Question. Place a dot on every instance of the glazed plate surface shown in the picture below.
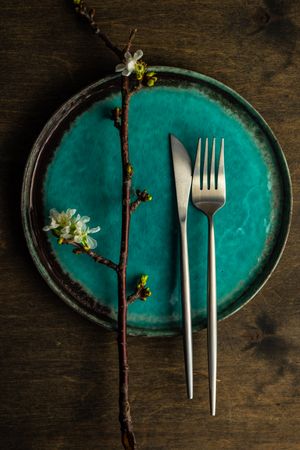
(76, 163)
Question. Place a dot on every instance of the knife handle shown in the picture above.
(186, 311)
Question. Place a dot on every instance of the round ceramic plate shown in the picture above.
(75, 163)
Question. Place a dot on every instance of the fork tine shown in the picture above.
(196, 175)
(205, 172)
(221, 169)
(212, 184)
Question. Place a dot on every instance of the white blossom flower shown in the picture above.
(60, 220)
(82, 231)
(130, 61)
(67, 226)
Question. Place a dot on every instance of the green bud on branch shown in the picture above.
(129, 170)
(142, 197)
(117, 117)
(142, 292)
(151, 79)
(142, 282)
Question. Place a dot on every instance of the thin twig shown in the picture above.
(96, 257)
(137, 87)
(135, 204)
(89, 14)
(140, 294)
(142, 197)
(132, 298)
(127, 435)
(130, 40)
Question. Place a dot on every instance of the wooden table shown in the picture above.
(59, 372)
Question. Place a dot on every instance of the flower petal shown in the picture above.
(94, 230)
(53, 223)
(47, 228)
(126, 72)
(138, 54)
(65, 233)
(53, 213)
(80, 227)
(120, 67)
(127, 56)
(70, 212)
(85, 219)
(92, 243)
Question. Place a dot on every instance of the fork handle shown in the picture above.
(212, 318)
(186, 311)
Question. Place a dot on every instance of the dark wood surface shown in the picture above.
(58, 371)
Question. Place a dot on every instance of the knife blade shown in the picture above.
(183, 179)
(183, 176)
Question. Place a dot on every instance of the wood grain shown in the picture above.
(58, 371)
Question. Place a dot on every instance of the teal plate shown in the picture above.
(76, 163)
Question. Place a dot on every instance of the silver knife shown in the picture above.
(183, 180)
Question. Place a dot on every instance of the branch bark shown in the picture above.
(142, 197)
(96, 257)
(130, 40)
(132, 298)
(128, 438)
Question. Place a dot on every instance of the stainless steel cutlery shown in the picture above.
(208, 195)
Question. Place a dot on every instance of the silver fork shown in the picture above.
(209, 196)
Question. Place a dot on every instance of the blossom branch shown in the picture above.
(72, 229)
(129, 64)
